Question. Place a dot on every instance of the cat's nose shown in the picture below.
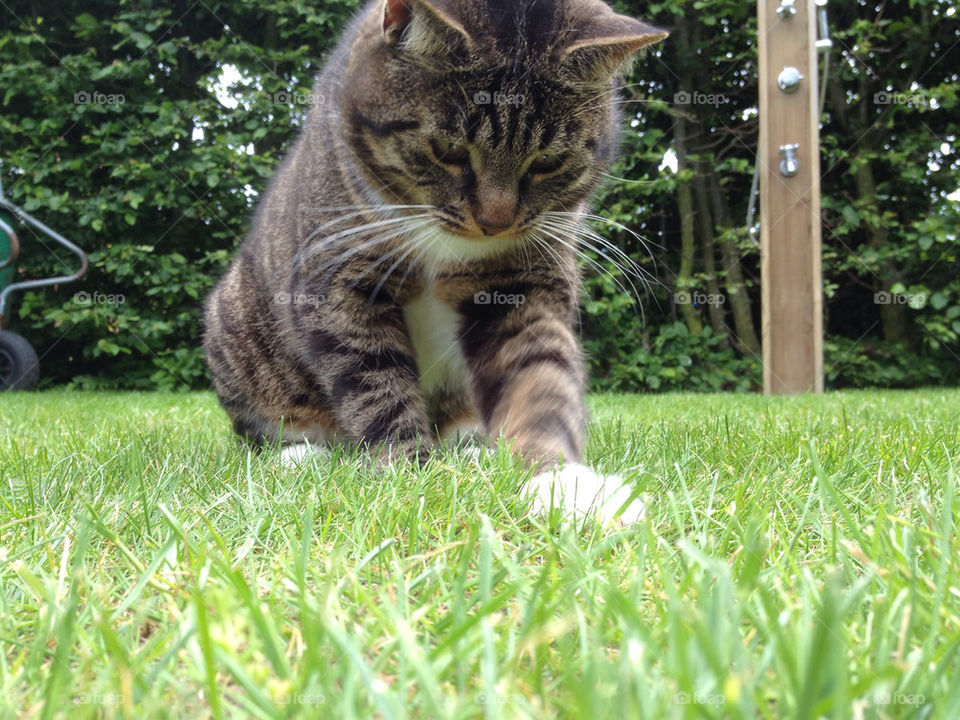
(495, 206)
(494, 225)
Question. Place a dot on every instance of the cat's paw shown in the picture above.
(581, 492)
(475, 453)
(293, 456)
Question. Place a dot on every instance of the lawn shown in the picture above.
(799, 559)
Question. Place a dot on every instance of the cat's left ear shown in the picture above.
(604, 42)
(424, 27)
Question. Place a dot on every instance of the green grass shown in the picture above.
(799, 559)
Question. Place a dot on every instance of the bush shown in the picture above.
(887, 365)
(628, 350)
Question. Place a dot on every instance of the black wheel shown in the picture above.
(19, 367)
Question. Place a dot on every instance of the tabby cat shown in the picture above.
(411, 274)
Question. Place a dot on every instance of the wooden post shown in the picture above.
(790, 206)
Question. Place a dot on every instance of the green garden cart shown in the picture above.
(19, 365)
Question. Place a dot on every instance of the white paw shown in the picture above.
(475, 453)
(579, 491)
(293, 456)
(465, 433)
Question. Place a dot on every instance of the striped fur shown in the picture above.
(399, 284)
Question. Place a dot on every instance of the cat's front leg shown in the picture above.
(528, 381)
(529, 389)
(363, 359)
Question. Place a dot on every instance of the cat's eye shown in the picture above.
(546, 163)
(450, 153)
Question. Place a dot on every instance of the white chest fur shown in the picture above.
(434, 330)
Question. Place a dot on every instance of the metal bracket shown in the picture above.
(790, 165)
(787, 9)
(789, 79)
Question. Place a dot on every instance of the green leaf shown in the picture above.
(851, 216)
(109, 348)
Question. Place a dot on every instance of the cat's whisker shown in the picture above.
(334, 264)
(544, 247)
(582, 231)
(555, 260)
(631, 291)
(427, 249)
(609, 92)
(324, 244)
(628, 180)
(576, 219)
(378, 212)
(349, 216)
(557, 233)
(525, 257)
(644, 100)
(386, 276)
(630, 269)
(587, 234)
(358, 228)
(338, 261)
(607, 221)
(410, 235)
(374, 207)
(402, 247)
(430, 234)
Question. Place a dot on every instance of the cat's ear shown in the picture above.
(603, 43)
(424, 27)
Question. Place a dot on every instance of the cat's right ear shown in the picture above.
(397, 15)
(424, 27)
(601, 43)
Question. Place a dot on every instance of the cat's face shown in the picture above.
(491, 113)
(492, 152)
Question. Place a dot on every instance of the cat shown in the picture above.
(411, 273)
